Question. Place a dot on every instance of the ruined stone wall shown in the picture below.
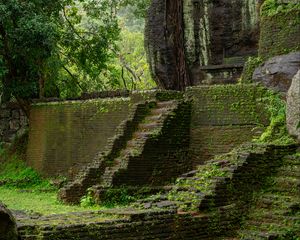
(223, 117)
(221, 74)
(13, 122)
(66, 135)
(280, 34)
(220, 207)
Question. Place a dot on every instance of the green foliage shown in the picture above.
(27, 38)
(272, 7)
(37, 201)
(55, 48)
(119, 196)
(87, 46)
(16, 174)
(67, 47)
(131, 70)
(113, 197)
(276, 132)
(249, 68)
(140, 7)
(87, 200)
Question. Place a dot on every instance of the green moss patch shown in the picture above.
(273, 7)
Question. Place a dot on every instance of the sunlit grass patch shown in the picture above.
(35, 201)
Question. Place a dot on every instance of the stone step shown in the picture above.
(128, 151)
(189, 174)
(148, 126)
(134, 143)
(159, 111)
(257, 235)
(276, 201)
(290, 171)
(152, 118)
(166, 103)
(292, 160)
(141, 135)
(286, 184)
(267, 224)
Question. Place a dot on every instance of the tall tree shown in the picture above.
(44, 43)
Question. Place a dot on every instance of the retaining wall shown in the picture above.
(66, 135)
(224, 117)
(280, 34)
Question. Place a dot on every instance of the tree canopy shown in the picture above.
(61, 48)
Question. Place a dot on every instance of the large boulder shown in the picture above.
(8, 227)
(293, 107)
(277, 73)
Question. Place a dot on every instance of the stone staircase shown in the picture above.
(276, 213)
(127, 160)
(218, 196)
(223, 189)
(135, 164)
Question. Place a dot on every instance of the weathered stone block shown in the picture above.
(277, 73)
(293, 107)
(279, 34)
(8, 228)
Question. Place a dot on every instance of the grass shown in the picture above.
(22, 188)
(45, 203)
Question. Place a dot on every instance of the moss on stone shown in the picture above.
(249, 68)
(280, 33)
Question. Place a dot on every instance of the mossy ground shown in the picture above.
(21, 188)
(44, 203)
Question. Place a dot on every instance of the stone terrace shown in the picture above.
(216, 209)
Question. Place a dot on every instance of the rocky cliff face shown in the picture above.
(211, 33)
(293, 107)
(220, 29)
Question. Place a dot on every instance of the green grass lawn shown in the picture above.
(24, 189)
(36, 201)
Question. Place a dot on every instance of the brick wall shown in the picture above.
(69, 134)
(223, 117)
(280, 34)
(66, 135)
(13, 122)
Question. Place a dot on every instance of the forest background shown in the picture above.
(64, 48)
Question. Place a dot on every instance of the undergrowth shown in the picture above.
(249, 68)
(14, 173)
(276, 132)
(114, 197)
(22, 188)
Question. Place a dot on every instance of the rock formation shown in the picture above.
(293, 107)
(8, 229)
(277, 73)
(211, 33)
